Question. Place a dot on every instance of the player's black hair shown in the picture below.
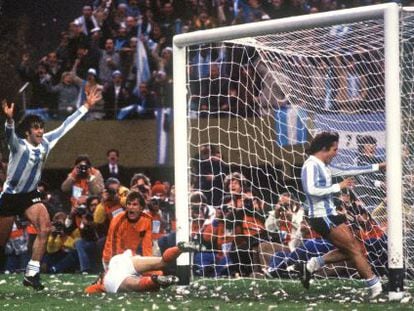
(83, 158)
(28, 122)
(322, 141)
(135, 195)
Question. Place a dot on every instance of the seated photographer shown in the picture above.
(83, 181)
(158, 223)
(61, 255)
(16, 250)
(113, 202)
(167, 205)
(285, 219)
(87, 246)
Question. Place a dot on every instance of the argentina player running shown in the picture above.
(317, 184)
(26, 159)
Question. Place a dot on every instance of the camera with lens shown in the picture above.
(112, 193)
(142, 189)
(81, 210)
(59, 227)
(83, 170)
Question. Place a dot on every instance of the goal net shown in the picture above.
(253, 103)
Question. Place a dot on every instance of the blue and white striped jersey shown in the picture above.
(317, 184)
(26, 161)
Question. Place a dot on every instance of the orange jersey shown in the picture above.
(31, 229)
(252, 226)
(123, 235)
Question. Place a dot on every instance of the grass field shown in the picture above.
(65, 292)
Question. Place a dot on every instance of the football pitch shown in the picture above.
(65, 292)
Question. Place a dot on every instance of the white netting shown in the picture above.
(253, 105)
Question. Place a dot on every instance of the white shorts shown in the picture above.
(120, 267)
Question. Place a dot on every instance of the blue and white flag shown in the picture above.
(162, 116)
(143, 71)
(290, 126)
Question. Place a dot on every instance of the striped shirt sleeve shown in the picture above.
(311, 185)
(11, 137)
(352, 171)
(53, 136)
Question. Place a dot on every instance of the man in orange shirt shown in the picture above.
(131, 229)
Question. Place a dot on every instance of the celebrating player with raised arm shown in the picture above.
(26, 159)
(323, 218)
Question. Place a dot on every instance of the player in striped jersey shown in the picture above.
(26, 159)
(317, 184)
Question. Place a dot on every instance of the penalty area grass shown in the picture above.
(65, 292)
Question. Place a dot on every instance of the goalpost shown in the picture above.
(258, 92)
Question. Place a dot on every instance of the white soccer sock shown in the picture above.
(315, 263)
(33, 267)
(374, 284)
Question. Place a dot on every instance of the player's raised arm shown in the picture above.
(92, 97)
(8, 110)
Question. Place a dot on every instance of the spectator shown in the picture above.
(370, 187)
(214, 93)
(352, 85)
(113, 169)
(166, 20)
(41, 97)
(77, 39)
(133, 9)
(115, 95)
(87, 21)
(97, 113)
(203, 21)
(120, 15)
(85, 58)
(208, 173)
(54, 68)
(128, 58)
(62, 51)
(67, 92)
(109, 61)
(121, 39)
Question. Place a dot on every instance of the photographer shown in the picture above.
(83, 181)
(141, 183)
(61, 255)
(158, 223)
(87, 245)
(286, 219)
(112, 203)
(166, 205)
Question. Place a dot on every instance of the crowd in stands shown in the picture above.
(125, 47)
(241, 231)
